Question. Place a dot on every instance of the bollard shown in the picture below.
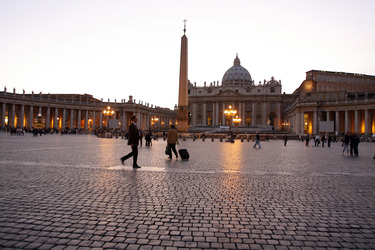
(241, 139)
(184, 138)
(212, 139)
(203, 139)
(116, 136)
(221, 139)
(193, 138)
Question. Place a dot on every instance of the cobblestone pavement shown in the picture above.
(71, 192)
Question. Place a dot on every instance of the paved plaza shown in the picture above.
(71, 192)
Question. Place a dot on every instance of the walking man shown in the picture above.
(133, 142)
(257, 141)
(172, 139)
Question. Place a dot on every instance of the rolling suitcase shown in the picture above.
(183, 153)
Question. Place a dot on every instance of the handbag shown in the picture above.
(168, 150)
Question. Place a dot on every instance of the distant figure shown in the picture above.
(285, 140)
(140, 137)
(329, 140)
(323, 140)
(354, 144)
(148, 138)
(317, 140)
(172, 140)
(133, 142)
(307, 140)
(346, 142)
(257, 141)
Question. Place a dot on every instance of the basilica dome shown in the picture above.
(237, 75)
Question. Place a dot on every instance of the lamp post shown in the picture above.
(108, 112)
(236, 121)
(229, 113)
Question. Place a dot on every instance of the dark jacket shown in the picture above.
(133, 135)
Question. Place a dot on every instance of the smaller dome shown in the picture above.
(237, 75)
(273, 82)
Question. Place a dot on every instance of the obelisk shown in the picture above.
(182, 113)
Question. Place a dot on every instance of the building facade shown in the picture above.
(81, 112)
(346, 101)
(258, 106)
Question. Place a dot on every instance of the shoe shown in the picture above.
(136, 166)
(122, 161)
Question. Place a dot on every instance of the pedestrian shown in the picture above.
(317, 140)
(133, 142)
(307, 139)
(257, 141)
(172, 140)
(285, 140)
(323, 140)
(148, 138)
(329, 140)
(354, 144)
(140, 137)
(346, 142)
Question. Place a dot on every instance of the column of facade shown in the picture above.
(22, 124)
(223, 118)
(278, 110)
(240, 113)
(13, 116)
(367, 131)
(94, 120)
(264, 114)
(71, 119)
(346, 121)
(55, 121)
(302, 123)
(48, 118)
(40, 111)
(63, 122)
(101, 120)
(194, 117)
(204, 115)
(356, 121)
(315, 122)
(123, 123)
(297, 123)
(253, 114)
(337, 120)
(79, 120)
(31, 116)
(3, 112)
(217, 114)
(87, 120)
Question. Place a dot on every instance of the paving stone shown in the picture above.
(291, 198)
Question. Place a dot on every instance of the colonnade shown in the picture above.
(360, 120)
(19, 111)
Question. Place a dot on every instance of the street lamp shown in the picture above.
(236, 121)
(108, 112)
(229, 113)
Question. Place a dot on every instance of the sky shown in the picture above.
(116, 48)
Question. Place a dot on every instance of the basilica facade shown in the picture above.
(257, 105)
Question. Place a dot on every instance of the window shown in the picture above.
(272, 90)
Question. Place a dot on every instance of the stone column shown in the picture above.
(93, 120)
(31, 116)
(337, 120)
(278, 124)
(55, 122)
(302, 120)
(22, 124)
(346, 121)
(40, 112)
(217, 114)
(48, 118)
(123, 122)
(264, 114)
(240, 112)
(367, 131)
(101, 120)
(13, 116)
(79, 120)
(253, 114)
(194, 115)
(315, 123)
(72, 119)
(224, 121)
(356, 129)
(3, 112)
(328, 118)
(63, 122)
(204, 115)
(297, 123)
(87, 120)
